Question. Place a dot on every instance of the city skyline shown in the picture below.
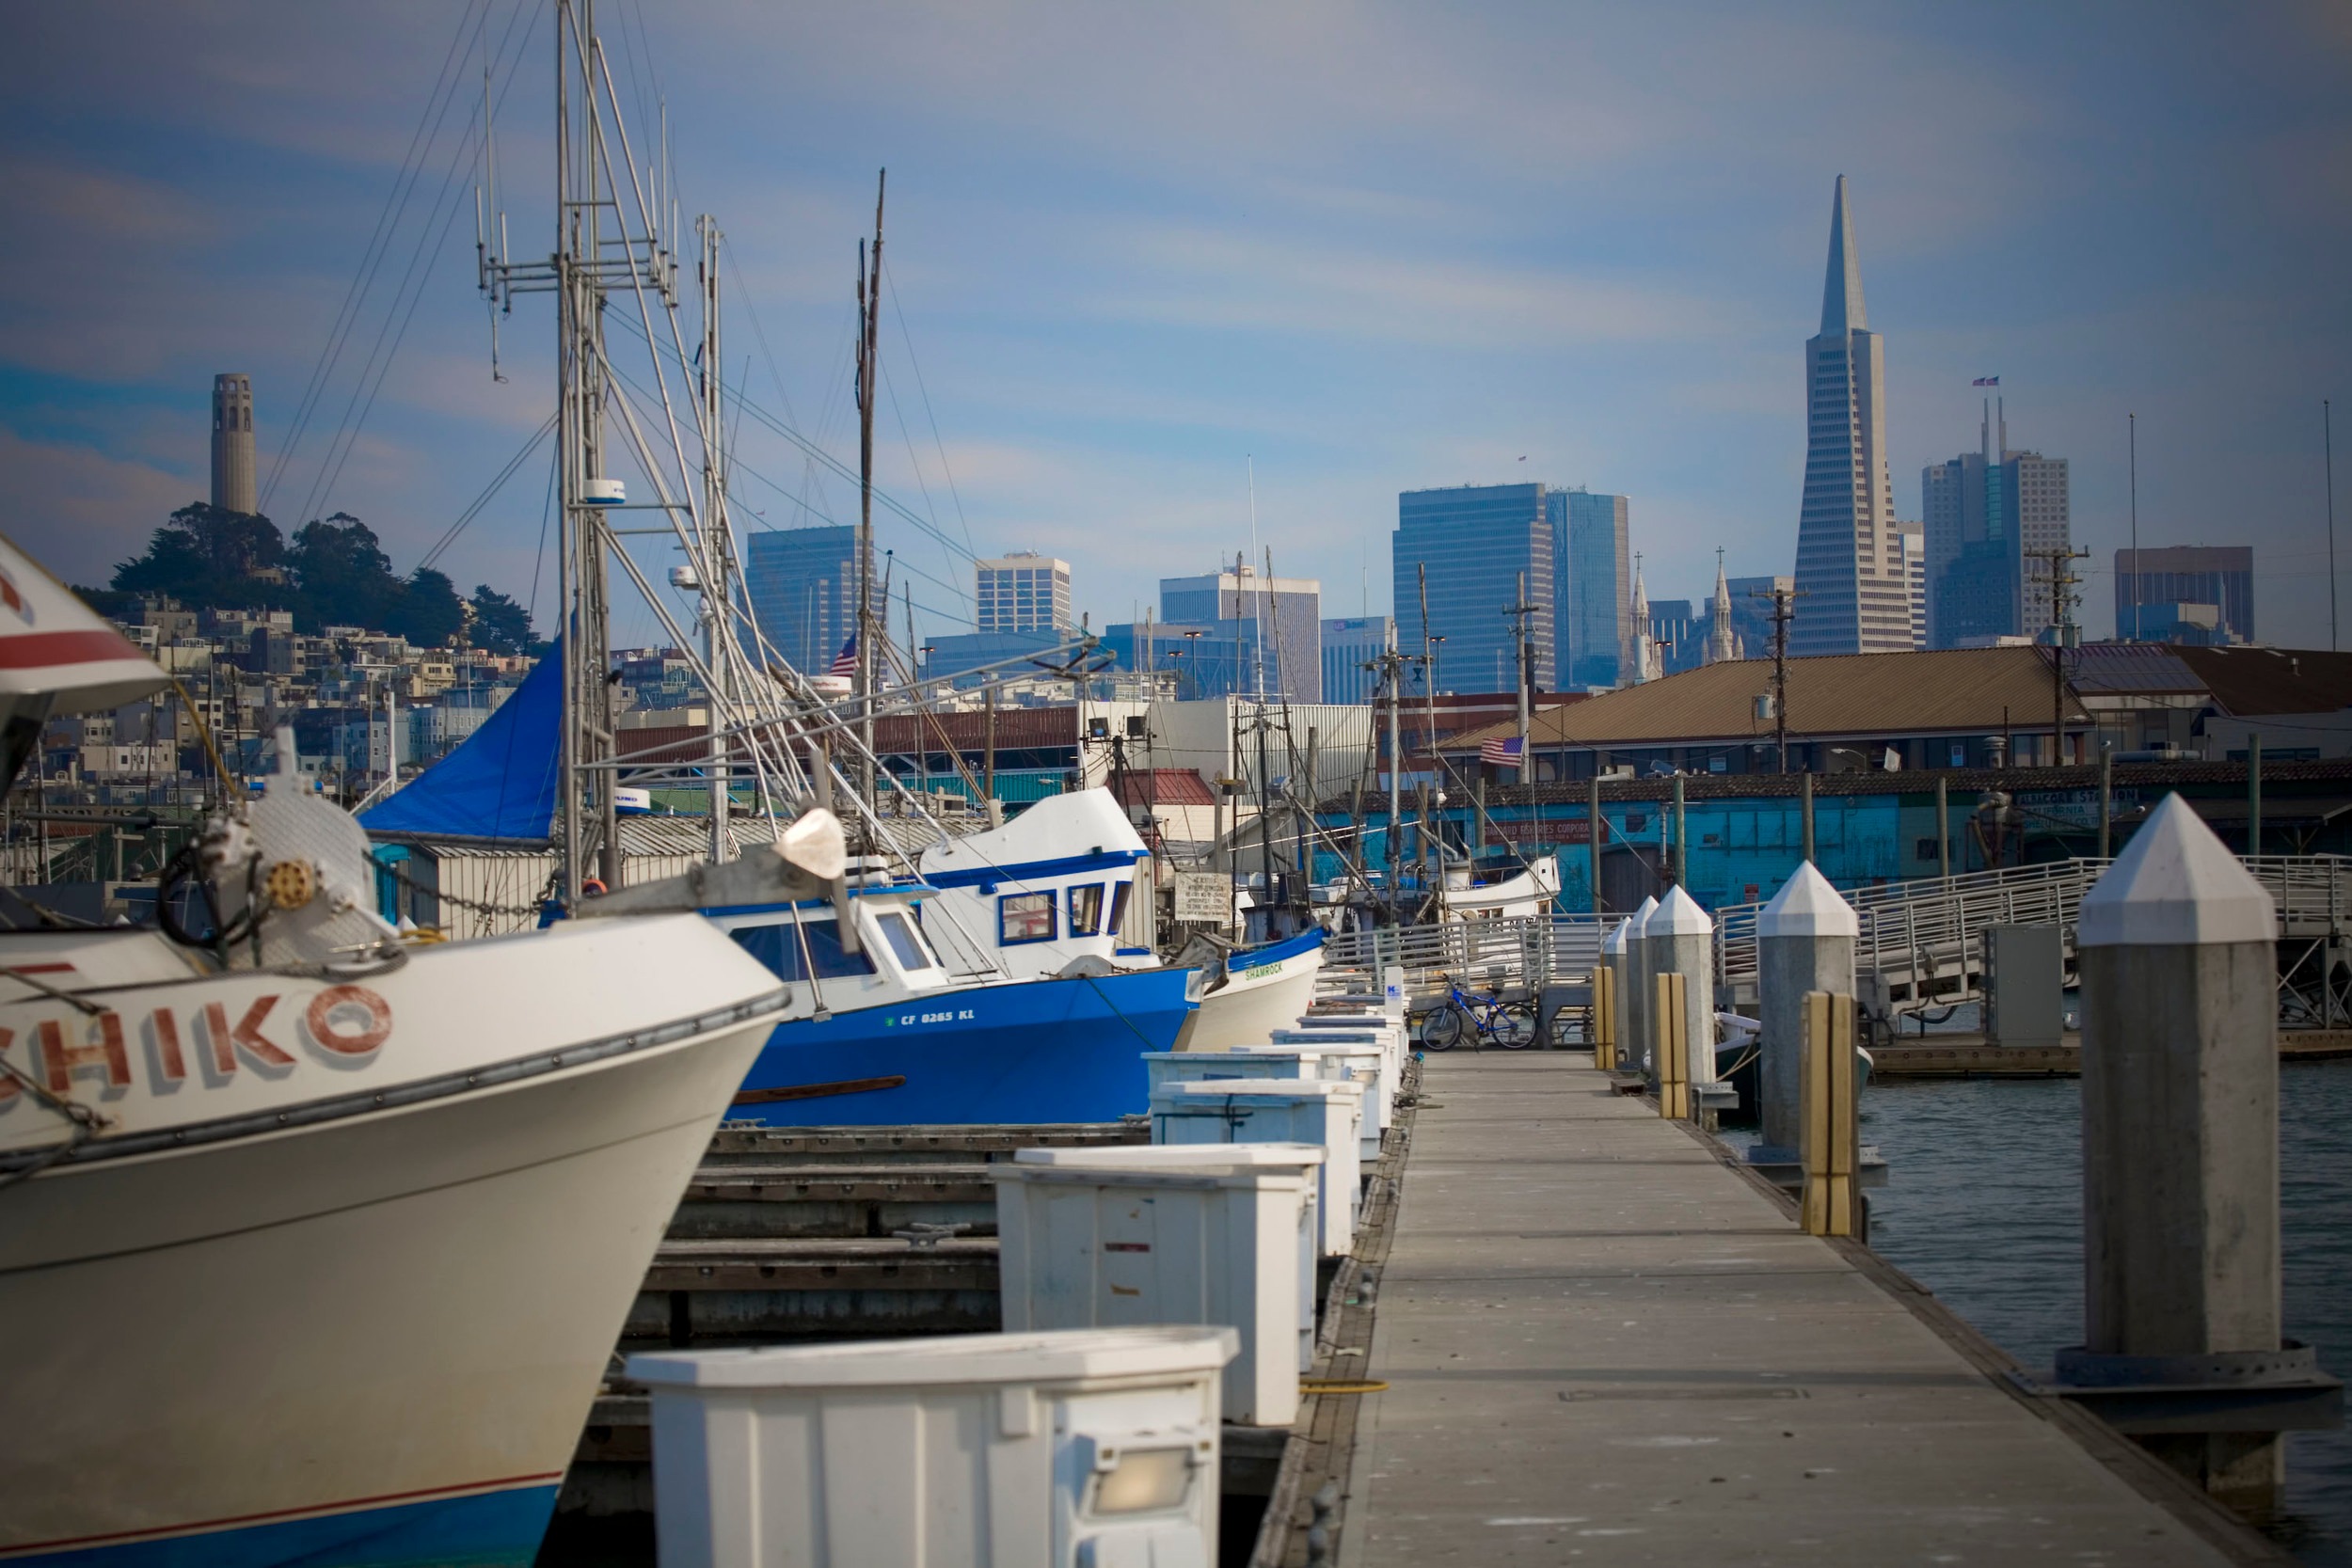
(1287, 286)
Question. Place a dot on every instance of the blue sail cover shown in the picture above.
(500, 783)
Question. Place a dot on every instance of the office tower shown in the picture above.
(2159, 583)
(1592, 580)
(1022, 592)
(1850, 559)
(1476, 542)
(232, 444)
(1675, 632)
(1751, 612)
(1348, 646)
(1212, 658)
(1916, 579)
(801, 583)
(1287, 613)
(1991, 515)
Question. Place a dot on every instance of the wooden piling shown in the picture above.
(1674, 1048)
(1831, 1148)
(1604, 1017)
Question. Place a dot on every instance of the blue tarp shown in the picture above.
(500, 783)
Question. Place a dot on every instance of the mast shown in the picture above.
(718, 562)
(870, 316)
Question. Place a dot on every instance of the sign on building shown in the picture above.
(1204, 895)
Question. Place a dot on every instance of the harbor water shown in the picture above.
(1984, 1208)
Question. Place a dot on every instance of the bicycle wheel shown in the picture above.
(1443, 1028)
(1514, 1026)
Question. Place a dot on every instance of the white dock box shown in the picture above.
(1208, 1241)
(1363, 1055)
(1304, 1160)
(1346, 1060)
(1319, 1111)
(1237, 1061)
(1001, 1450)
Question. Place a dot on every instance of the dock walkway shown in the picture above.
(1605, 1344)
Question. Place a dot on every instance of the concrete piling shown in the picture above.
(2177, 954)
(1637, 1050)
(1804, 942)
(1682, 941)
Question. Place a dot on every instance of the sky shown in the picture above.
(1143, 261)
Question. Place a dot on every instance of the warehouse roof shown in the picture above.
(1960, 691)
(2245, 682)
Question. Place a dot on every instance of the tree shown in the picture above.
(430, 612)
(501, 624)
(205, 555)
(345, 576)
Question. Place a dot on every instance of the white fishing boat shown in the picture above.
(314, 1243)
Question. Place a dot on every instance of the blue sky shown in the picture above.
(1364, 247)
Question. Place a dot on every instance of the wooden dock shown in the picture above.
(1605, 1344)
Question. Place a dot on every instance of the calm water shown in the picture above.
(1985, 1208)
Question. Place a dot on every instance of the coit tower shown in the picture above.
(232, 444)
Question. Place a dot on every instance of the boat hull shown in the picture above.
(1271, 989)
(369, 1341)
(1031, 1051)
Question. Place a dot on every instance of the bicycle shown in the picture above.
(1508, 1024)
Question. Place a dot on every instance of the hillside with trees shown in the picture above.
(333, 572)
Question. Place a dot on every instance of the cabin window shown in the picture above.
(1024, 917)
(1085, 909)
(779, 946)
(1118, 906)
(905, 944)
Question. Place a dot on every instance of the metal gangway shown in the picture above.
(1921, 944)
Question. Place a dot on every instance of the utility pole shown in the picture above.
(869, 318)
(2062, 600)
(1784, 611)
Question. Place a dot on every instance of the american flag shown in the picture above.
(845, 662)
(1503, 753)
(1986, 380)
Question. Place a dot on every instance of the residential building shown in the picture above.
(1992, 517)
(1348, 646)
(2147, 582)
(1022, 592)
(801, 583)
(1592, 577)
(1287, 612)
(1481, 545)
(1850, 556)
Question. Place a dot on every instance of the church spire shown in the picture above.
(1841, 294)
(1722, 647)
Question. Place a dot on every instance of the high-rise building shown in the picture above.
(1482, 545)
(1591, 580)
(232, 444)
(1348, 646)
(1990, 518)
(2221, 576)
(1676, 632)
(1751, 612)
(800, 582)
(1916, 579)
(1850, 557)
(1022, 592)
(1286, 611)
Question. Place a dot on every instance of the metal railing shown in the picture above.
(1920, 944)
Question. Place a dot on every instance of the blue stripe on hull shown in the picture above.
(489, 1530)
(1039, 1050)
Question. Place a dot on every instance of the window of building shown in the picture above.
(1024, 917)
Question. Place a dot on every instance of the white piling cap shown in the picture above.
(1678, 915)
(1808, 906)
(1614, 943)
(2175, 884)
(1638, 926)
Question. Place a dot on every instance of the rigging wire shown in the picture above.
(448, 537)
(891, 278)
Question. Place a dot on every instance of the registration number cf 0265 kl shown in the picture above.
(953, 1015)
